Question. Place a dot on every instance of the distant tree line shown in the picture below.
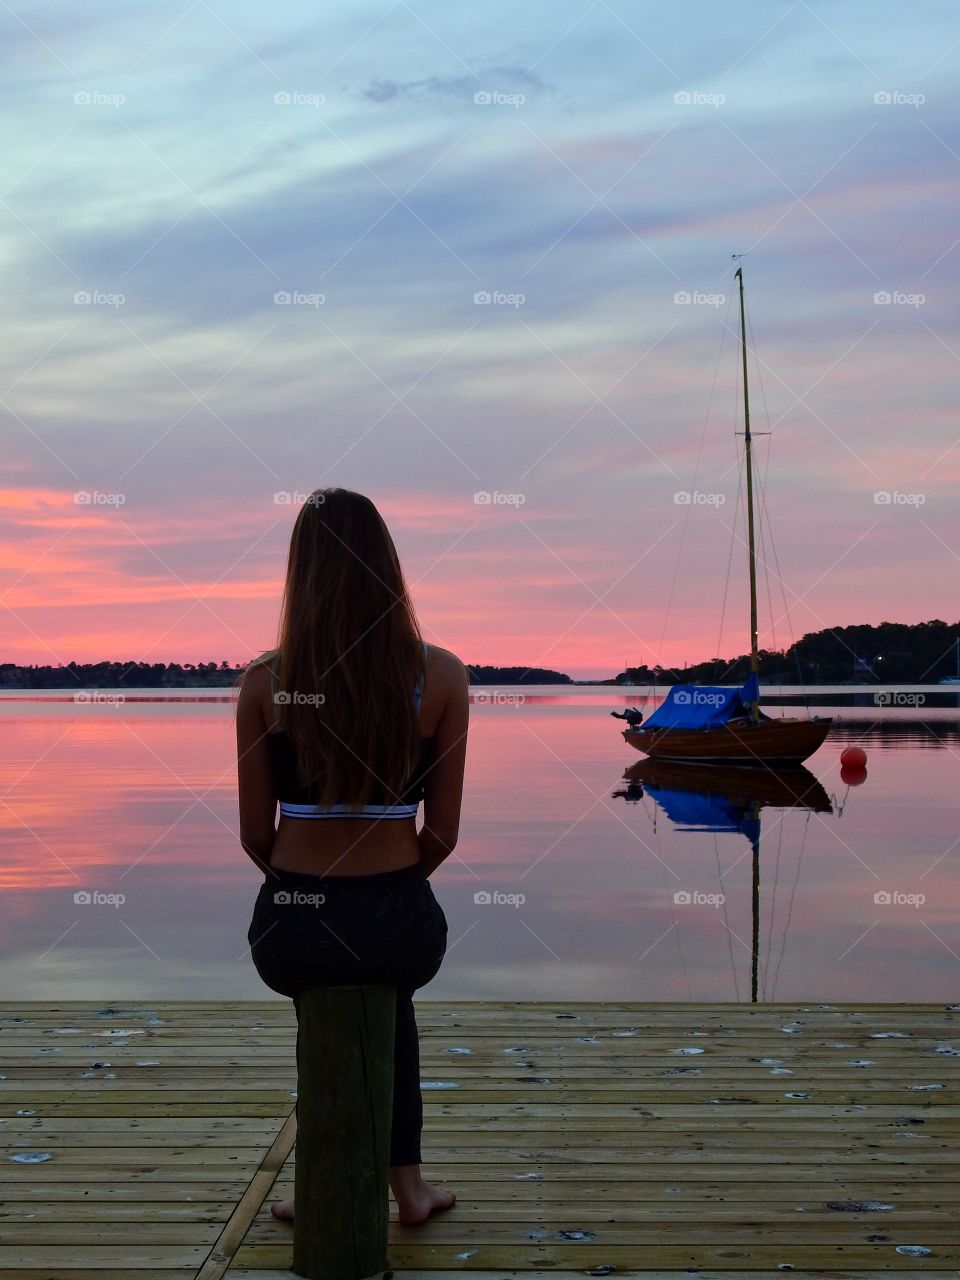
(120, 675)
(891, 653)
(205, 675)
(516, 675)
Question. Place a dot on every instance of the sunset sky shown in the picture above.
(174, 172)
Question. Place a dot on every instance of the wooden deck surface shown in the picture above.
(653, 1139)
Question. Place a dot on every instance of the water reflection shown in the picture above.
(927, 728)
(723, 800)
(140, 799)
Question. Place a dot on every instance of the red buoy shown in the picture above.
(852, 777)
(854, 757)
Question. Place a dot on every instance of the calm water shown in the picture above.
(598, 888)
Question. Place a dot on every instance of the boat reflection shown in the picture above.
(723, 799)
(725, 791)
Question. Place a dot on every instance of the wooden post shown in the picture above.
(345, 1047)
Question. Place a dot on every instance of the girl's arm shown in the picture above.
(443, 785)
(257, 797)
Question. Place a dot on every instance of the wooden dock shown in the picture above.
(582, 1139)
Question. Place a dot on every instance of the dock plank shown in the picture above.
(816, 1138)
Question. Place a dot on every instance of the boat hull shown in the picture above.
(769, 743)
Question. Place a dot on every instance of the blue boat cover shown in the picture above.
(700, 706)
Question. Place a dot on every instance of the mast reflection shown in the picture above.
(725, 799)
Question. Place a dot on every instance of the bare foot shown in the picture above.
(413, 1206)
(283, 1209)
(418, 1204)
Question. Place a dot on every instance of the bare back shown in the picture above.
(361, 846)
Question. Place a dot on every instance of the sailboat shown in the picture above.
(717, 799)
(701, 724)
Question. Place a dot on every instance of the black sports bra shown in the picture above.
(295, 800)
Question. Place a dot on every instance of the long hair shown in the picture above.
(349, 653)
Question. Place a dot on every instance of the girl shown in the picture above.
(349, 723)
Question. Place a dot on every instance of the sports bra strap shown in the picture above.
(419, 688)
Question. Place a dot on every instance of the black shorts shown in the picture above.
(386, 928)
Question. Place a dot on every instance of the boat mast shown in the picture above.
(748, 449)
